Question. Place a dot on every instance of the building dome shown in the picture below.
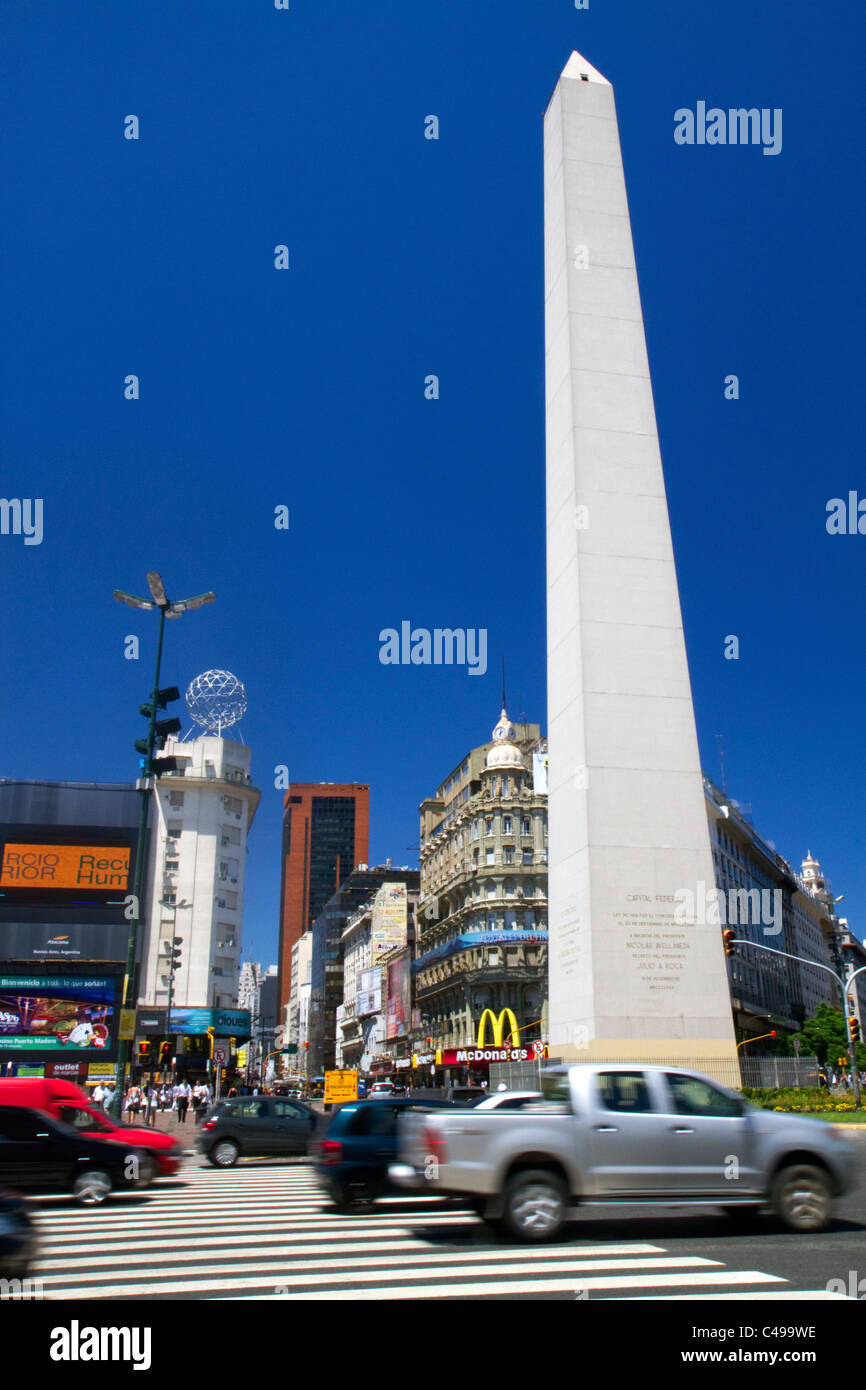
(505, 753)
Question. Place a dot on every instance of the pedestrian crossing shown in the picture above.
(264, 1231)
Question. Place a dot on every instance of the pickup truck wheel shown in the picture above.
(802, 1197)
(534, 1205)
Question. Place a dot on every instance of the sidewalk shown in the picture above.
(167, 1122)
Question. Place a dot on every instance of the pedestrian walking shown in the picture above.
(133, 1103)
(182, 1094)
(108, 1098)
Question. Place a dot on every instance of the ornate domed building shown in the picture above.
(483, 911)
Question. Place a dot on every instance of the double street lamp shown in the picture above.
(151, 767)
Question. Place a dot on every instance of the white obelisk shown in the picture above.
(629, 978)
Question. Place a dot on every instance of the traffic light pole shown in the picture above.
(132, 940)
(844, 986)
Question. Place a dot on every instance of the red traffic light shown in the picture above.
(728, 936)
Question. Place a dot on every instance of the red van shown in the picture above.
(66, 1102)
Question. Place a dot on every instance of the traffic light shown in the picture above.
(233, 1044)
(854, 1025)
(161, 730)
(210, 1033)
(428, 1042)
(176, 953)
(143, 1054)
(728, 938)
(165, 1053)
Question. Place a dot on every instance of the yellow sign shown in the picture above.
(64, 866)
(498, 1025)
(127, 1025)
(242, 1057)
(101, 1069)
(340, 1086)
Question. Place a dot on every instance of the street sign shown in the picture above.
(796, 1044)
(290, 1050)
(127, 1025)
(222, 1054)
(340, 1086)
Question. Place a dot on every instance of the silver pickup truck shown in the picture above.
(614, 1135)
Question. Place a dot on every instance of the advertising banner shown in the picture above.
(473, 1056)
(399, 997)
(389, 918)
(64, 866)
(46, 1017)
(234, 1022)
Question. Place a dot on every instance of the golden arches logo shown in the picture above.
(498, 1025)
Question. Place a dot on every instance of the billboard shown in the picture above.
(65, 887)
(388, 918)
(233, 1022)
(399, 997)
(65, 866)
(46, 1018)
(368, 999)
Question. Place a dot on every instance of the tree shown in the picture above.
(824, 1035)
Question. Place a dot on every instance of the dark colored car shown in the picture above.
(258, 1127)
(17, 1237)
(41, 1154)
(352, 1158)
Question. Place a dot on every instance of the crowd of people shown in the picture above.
(147, 1101)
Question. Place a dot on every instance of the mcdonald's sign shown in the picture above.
(498, 1024)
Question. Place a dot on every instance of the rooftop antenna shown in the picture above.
(503, 682)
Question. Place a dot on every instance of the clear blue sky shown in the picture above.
(305, 387)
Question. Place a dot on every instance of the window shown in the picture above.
(81, 1119)
(624, 1091)
(527, 856)
(284, 1110)
(509, 854)
(489, 857)
(488, 827)
(694, 1097)
(249, 1110)
(506, 825)
(525, 826)
(175, 798)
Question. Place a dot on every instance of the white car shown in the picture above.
(383, 1090)
(507, 1100)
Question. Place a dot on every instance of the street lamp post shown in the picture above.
(844, 986)
(166, 609)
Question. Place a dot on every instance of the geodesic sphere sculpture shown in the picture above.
(216, 700)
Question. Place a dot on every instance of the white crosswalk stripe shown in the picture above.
(265, 1232)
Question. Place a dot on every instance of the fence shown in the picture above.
(751, 1071)
(779, 1071)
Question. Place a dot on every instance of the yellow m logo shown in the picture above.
(498, 1025)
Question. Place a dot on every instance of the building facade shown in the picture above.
(326, 974)
(482, 918)
(202, 815)
(326, 832)
(770, 904)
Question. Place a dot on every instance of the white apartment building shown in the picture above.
(298, 1007)
(200, 821)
